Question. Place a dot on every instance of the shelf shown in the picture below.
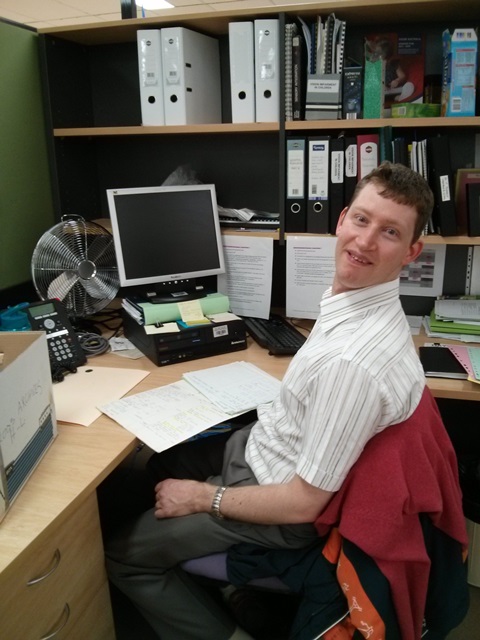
(262, 127)
(430, 239)
(458, 240)
(373, 123)
(253, 127)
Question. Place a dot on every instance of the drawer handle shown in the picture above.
(56, 562)
(52, 634)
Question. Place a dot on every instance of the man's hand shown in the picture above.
(182, 497)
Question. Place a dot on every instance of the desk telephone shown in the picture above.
(64, 347)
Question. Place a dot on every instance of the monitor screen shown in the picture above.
(165, 234)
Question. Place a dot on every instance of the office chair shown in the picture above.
(396, 534)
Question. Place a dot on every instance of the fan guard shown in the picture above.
(75, 262)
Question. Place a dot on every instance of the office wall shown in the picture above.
(26, 209)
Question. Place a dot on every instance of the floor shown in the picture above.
(470, 627)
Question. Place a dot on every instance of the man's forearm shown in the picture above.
(291, 503)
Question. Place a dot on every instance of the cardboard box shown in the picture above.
(459, 72)
(28, 423)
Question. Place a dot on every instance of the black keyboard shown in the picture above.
(253, 223)
(275, 334)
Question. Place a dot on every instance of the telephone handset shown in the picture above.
(64, 349)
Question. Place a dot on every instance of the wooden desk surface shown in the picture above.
(82, 457)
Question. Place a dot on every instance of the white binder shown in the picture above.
(242, 71)
(150, 72)
(191, 77)
(267, 70)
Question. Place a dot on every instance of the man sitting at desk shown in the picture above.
(357, 374)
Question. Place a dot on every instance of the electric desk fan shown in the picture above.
(75, 262)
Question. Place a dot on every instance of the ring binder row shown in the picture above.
(322, 173)
(179, 72)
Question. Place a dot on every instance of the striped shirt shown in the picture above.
(357, 373)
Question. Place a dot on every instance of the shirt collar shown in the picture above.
(336, 308)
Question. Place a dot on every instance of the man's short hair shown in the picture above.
(404, 186)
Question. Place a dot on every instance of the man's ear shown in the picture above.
(340, 219)
(414, 251)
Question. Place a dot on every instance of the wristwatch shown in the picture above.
(217, 498)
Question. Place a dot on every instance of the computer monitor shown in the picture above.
(165, 238)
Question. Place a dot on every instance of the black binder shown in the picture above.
(318, 204)
(296, 169)
(337, 181)
(441, 183)
(473, 208)
(350, 181)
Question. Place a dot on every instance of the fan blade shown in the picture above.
(98, 289)
(61, 285)
(101, 249)
(58, 251)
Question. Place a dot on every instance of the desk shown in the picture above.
(57, 512)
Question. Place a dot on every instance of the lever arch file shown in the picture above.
(267, 70)
(295, 209)
(149, 45)
(350, 180)
(367, 150)
(337, 181)
(318, 178)
(191, 77)
(242, 71)
(441, 183)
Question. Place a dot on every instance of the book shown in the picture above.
(464, 177)
(299, 72)
(352, 92)
(290, 31)
(440, 362)
(404, 66)
(146, 312)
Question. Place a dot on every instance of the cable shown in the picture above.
(93, 344)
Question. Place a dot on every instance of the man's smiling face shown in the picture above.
(374, 241)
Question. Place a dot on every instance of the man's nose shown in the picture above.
(367, 238)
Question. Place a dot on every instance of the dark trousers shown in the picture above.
(143, 557)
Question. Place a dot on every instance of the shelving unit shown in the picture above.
(97, 140)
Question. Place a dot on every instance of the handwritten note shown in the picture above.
(235, 387)
(165, 416)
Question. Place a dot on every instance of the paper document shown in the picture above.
(310, 271)
(166, 416)
(248, 277)
(461, 310)
(236, 387)
(78, 396)
(424, 276)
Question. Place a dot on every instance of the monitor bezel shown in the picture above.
(162, 279)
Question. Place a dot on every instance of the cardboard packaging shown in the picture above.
(459, 72)
(28, 423)
(402, 71)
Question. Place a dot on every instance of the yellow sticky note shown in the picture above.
(191, 312)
